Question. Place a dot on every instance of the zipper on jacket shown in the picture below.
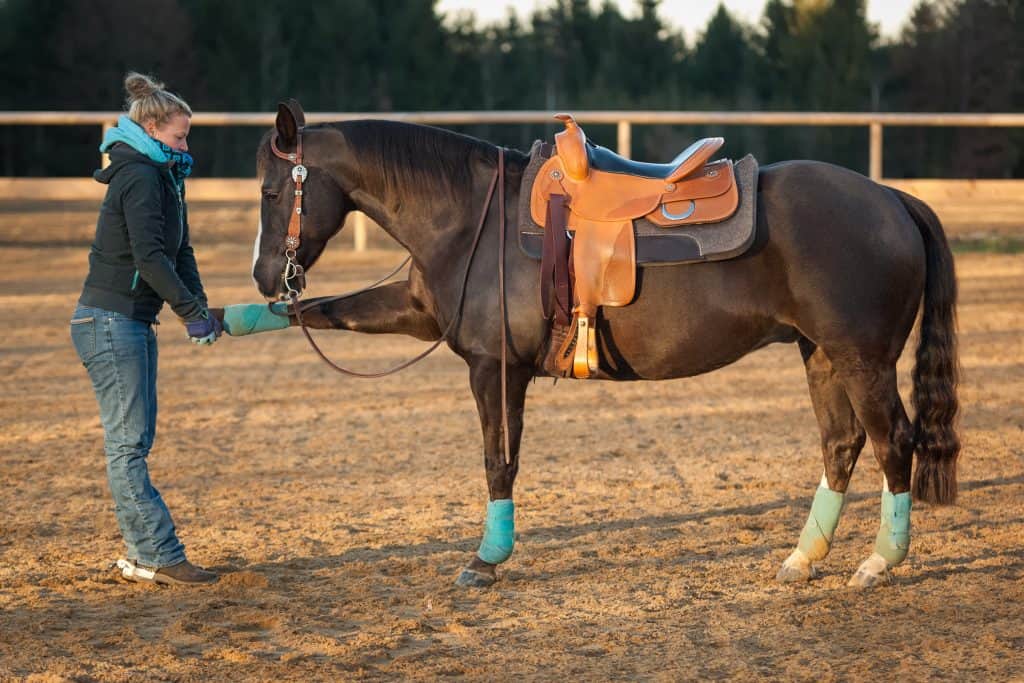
(181, 217)
(181, 211)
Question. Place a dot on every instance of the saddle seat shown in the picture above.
(689, 160)
(579, 156)
(594, 195)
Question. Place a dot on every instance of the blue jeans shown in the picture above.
(120, 355)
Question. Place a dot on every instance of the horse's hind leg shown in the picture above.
(842, 439)
(876, 400)
(499, 530)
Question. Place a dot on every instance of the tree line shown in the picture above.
(403, 55)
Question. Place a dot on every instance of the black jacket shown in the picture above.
(141, 256)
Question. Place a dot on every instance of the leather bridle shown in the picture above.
(294, 271)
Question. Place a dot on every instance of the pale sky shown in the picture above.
(691, 15)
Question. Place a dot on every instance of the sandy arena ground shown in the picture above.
(340, 510)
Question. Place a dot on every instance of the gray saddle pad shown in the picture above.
(656, 246)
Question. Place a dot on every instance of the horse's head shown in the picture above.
(302, 206)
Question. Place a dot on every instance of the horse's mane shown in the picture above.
(395, 156)
(408, 157)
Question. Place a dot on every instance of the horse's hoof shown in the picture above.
(471, 578)
(795, 574)
(874, 571)
(796, 569)
(863, 579)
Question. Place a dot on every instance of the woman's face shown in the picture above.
(173, 133)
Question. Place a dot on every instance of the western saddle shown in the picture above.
(591, 195)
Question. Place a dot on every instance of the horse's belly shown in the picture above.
(666, 356)
(688, 320)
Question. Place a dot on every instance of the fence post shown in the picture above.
(875, 152)
(105, 158)
(625, 135)
(359, 231)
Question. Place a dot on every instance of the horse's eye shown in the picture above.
(270, 195)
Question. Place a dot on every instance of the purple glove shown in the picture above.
(205, 330)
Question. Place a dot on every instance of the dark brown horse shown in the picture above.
(841, 266)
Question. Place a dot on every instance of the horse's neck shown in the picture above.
(421, 234)
(380, 211)
(428, 228)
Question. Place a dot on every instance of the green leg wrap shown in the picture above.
(243, 319)
(499, 531)
(893, 540)
(816, 538)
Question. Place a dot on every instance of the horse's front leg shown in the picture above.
(390, 309)
(499, 530)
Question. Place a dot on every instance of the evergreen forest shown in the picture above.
(570, 55)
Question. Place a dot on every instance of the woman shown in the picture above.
(141, 258)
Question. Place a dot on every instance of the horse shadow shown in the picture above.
(568, 532)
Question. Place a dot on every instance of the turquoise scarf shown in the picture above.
(132, 134)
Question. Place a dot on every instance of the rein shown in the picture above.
(294, 271)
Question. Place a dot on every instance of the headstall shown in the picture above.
(292, 269)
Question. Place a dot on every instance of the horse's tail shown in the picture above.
(936, 370)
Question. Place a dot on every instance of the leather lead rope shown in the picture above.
(309, 305)
(501, 306)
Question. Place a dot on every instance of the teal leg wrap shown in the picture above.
(243, 319)
(893, 540)
(499, 531)
(816, 538)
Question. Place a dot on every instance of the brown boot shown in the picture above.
(183, 574)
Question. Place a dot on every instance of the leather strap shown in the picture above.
(501, 305)
(293, 239)
(309, 305)
(555, 290)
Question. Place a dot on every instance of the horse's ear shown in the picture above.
(296, 109)
(290, 118)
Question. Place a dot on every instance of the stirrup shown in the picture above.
(584, 361)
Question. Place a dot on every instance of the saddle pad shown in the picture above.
(656, 245)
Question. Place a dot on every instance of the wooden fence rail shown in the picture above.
(966, 198)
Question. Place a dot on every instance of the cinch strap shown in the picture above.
(499, 531)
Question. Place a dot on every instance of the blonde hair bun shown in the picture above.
(139, 86)
(148, 101)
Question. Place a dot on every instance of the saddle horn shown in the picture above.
(571, 144)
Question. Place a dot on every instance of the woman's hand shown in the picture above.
(205, 330)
